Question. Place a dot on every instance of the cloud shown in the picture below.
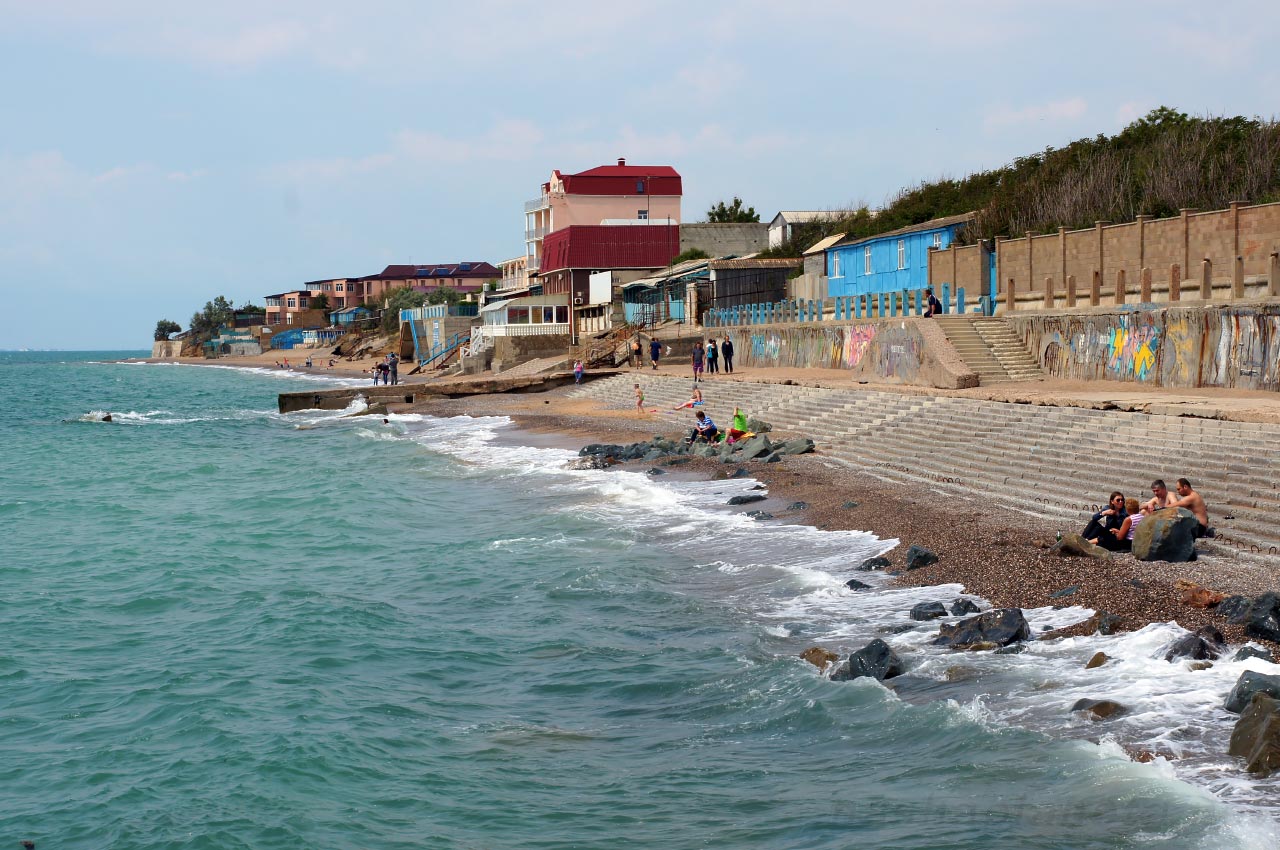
(1001, 117)
(244, 47)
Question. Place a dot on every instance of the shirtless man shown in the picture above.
(1192, 501)
(1162, 497)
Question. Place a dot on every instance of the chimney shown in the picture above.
(622, 161)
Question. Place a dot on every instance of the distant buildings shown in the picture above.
(889, 262)
(780, 229)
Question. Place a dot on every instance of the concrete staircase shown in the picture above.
(536, 366)
(991, 348)
(1055, 463)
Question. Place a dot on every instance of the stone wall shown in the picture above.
(902, 351)
(509, 351)
(961, 266)
(166, 349)
(720, 240)
(1226, 345)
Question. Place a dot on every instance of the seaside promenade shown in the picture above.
(1046, 449)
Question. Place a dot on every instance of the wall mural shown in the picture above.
(1229, 346)
(885, 351)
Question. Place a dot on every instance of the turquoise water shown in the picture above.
(226, 628)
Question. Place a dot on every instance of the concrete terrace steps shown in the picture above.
(535, 367)
(990, 348)
(1038, 460)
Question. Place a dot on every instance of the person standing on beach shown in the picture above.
(577, 371)
(637, 353)
(698, 355)
(639, 400)
(713, 357)
(726, 349)
(655, 351)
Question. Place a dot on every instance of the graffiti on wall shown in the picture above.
(884, 351)
(1223, 346)
(856, 340)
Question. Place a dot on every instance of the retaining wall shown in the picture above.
(1231, 345)
(903, 351)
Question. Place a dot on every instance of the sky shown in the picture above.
(156, 155)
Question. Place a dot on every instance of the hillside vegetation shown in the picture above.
(1157, 165)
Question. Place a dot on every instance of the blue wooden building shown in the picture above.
(889, 262)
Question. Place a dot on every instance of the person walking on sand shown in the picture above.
(577, 371)
(726, 351)
(639, 400)
(637, 353)
(655, 351)
(698, 355)
(713, 357)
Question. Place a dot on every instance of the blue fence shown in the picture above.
(878, 305)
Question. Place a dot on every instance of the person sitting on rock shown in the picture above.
(695, 399)
(738, 430)
(704, 429)
(1124, 534)
(1100, 526)
(1161, 497)
(1192, 501)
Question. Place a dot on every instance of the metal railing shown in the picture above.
(545, 329)
(878, 305)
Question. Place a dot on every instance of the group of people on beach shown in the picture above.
(706, 355)
(1112, 527)
(388, 371)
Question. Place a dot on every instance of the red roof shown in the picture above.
(604, 246)
(622, 179)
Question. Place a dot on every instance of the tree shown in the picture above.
(216, 313)
(444, 295)
(691, 254)
(164, 327)
(246, 307)
(403, 298)
(320, 302)
(721, 214)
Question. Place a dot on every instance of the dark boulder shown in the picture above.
(798, 506)
(1166, 535)
(928, 611)
(600, 449)
(1105, 623)
(1076, 546)
(746, 499)
(1001, 626)
(740, 472)
(774, 457)
(964, 606)
(1204, 643)
(1263, 619)
(592, 462)
(759, 515)
(656, 471)
(1066, 591)
(918, 556)
(1235, 608)
(1247, 652)
(877, 563)
(758, 426)
(107, 417)
(1247, 685)
(854, 584)
(757, 446)
(1098, 659)
(1256, 736)
(877, 660)
(848, 506)
(798, 446)
(1012, 649)
(675, 461)
(1099, 709)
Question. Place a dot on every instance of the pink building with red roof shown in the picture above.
(607, 194)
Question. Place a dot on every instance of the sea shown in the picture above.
(223, 627)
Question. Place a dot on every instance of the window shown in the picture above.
(902, 253)
(562, 315)
(517, 315)
(292, 302)
(303, 302)
(639, 187)
(937, 240)
(340, 287)
(866, 260)
(835, 265)
(643, 215)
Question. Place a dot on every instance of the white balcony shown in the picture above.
(534, 233)
(537, 204)
(527, 330)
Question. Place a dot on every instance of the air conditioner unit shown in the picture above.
(577, 301)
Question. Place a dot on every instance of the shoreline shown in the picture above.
(1004, 559)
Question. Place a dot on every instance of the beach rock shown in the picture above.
(918, 556)
(964, 606)
(592, 462)
(1263, 619)
(600, 449)
(819, 657)
(1247, 652)
(854, 584)
(1166, 535)
(757, 446)
(656, 471)
(1001, 626)
(746, 499)
(1098, 659)
(1247, 685)
(981, 646)
(798, 506)
(652, 455)
(1012, 649)
(1066, 591)
(107, 418)
(1105, 623)
(1099, 709)
(727, 459)
(928, 611)
(675, 461)
(1205, 642)
(758, 426)
(1256, 736)
(759, 515)
(798, 446)
(775, 457)
(1235, 608)
(1199, 665)
(1076, 546)
(877, 563)
(877, 660)
(848, 506)
(740, 472)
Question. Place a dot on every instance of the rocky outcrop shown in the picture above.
(854, 584)
(1256, 736)
(1166, 535)
(1001, 627)
(876, 563)
(1205, 643)
(1247, 685)
(928, 611)
(746, 499)
(1246, 652)
(1076, 546)
(877, 660)
(918, 556)
(964, 606)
